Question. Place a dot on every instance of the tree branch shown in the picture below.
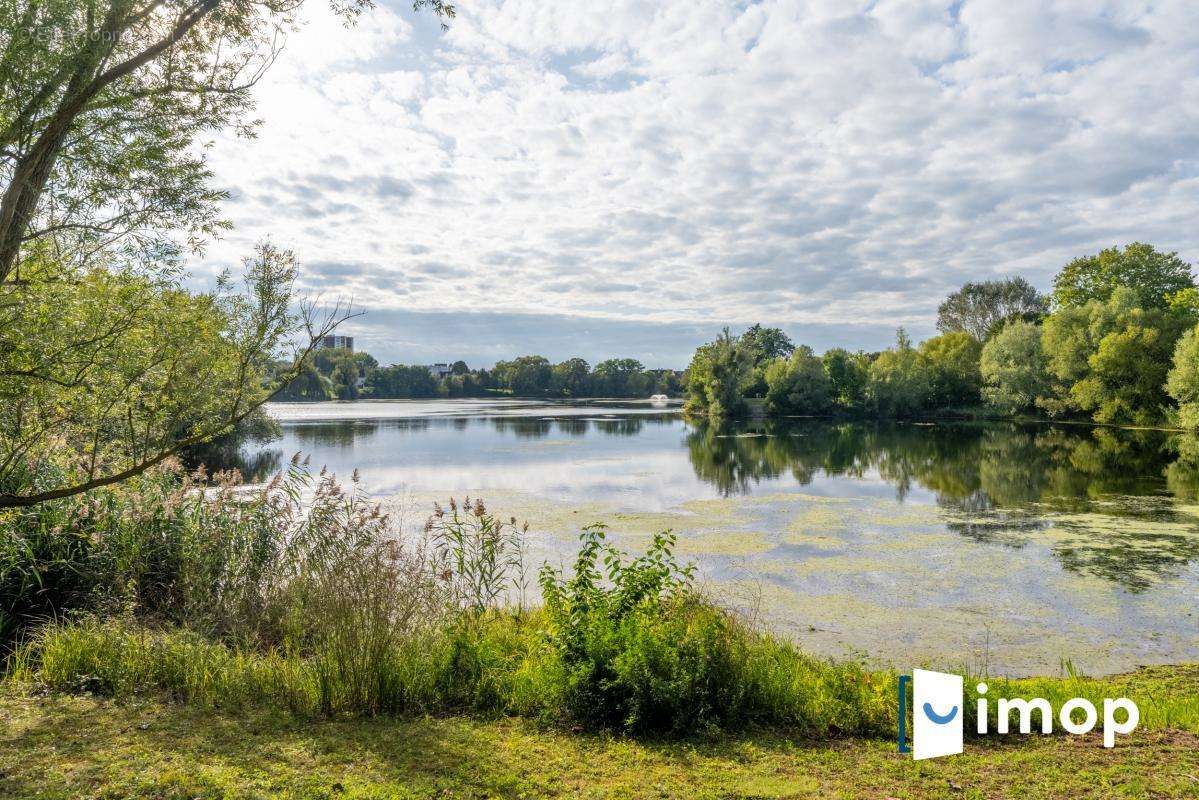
(316, 331)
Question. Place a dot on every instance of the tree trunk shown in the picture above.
(24, 192)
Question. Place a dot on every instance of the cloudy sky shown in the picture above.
(625, 178)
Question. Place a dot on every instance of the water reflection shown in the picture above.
(972, 467)
(1106, 503)
(325, 438)
(1112, 496)
(1027, 543)
(969, 466)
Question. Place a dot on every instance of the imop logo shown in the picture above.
(938, 712)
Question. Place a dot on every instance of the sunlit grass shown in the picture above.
(64, 747)
(499, 664)
(667, 668)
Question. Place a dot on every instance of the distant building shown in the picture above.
(335, 343)
(440, 371)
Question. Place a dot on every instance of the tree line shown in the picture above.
(1115, 342)
(340, 374)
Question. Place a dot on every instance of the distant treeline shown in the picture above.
(339, 374)
(1115, 342)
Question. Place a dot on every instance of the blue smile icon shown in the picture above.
(940, 719)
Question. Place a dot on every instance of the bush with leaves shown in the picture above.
(1013, 368)
(953, 366)
(848, 374)
(900, 380)
(1110, 359)
(798, 384)
(637, 649)
(717, 376)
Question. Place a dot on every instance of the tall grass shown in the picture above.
(121, 658)
(1164, 700)
(301, 596)
(690, 670)
(182, 549)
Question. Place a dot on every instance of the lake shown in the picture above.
(1004, 547)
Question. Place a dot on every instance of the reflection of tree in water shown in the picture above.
(325, 434)
(733, 457)
(523, 427)
(632, 425)
(1135, 559)
(620, 426)
(343, 433)
(968, 466)
(254, 467)
(1002, 483)
(257, 467)
(1182, 476)
(1010, 529)
(572, 426)
(732, 461)
(535, 428)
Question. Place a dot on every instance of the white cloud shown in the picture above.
(806, 164)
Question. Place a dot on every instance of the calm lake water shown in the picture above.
(994, 546)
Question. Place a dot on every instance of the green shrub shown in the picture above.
(1183, 382)
(716, 377)
(798, 384)
(641, 651)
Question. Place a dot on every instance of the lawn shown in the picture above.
(60, 746)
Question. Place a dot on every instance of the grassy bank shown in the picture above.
(690, 670)
(62, 747)
(299, 598)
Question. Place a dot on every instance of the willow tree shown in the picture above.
(981, 309)
(108, 373)
(1183, 380)
(1111, 359)
(108, 364)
